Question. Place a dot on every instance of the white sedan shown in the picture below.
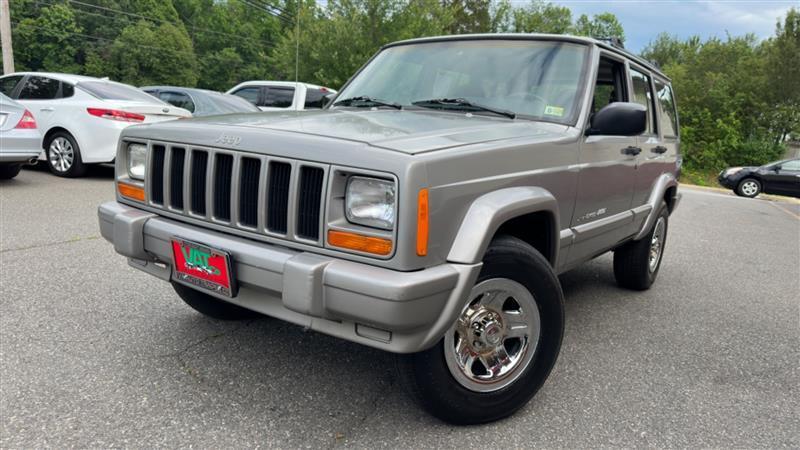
(81, 117)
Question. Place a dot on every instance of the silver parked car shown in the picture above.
(428, 211)
(20, 139)
(201, 102)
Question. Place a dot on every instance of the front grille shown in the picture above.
(275, 197)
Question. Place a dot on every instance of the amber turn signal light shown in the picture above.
(366, 244)
(131, 191)
(422, 222)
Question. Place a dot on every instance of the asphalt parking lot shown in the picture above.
(96, 354)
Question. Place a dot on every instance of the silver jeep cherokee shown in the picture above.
(427, 211)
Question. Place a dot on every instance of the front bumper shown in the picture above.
(400, 312)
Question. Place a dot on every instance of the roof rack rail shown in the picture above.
(613, 41)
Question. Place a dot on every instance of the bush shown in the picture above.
(754, 153)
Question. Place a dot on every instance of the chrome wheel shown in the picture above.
(657, 244)
(749, 188)
(494, 340)
(61, 154)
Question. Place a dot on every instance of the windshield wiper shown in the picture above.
(462, 104)
(363, 100)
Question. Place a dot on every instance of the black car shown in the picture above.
(201, 102)
(781, 177)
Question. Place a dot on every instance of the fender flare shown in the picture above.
(489, 211)
(664, 182)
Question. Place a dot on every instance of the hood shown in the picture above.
(405, 131)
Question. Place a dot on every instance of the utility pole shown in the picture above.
(5, 37)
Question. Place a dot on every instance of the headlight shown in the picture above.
(732, 171)
(370, 202)
(137, 156)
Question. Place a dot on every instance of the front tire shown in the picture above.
(636, 263)
(64, 156)
(213, 307)
(749, 187)
(502, 347)
(9, 171)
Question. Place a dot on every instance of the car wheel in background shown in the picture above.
(636, 263)
(9, 171)
(749, 187)
(211, 306)
(502, 347)
(64, 156)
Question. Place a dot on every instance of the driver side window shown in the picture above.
(610, 86)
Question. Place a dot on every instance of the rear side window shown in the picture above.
(67, 90)
(668, 113)
(315, 98)
(8, 84)
(39, 88)
(249, 93)
(106, 90)
(178, 99)
(279, 97)
(643, 95)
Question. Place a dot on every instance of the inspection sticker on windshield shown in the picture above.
(551, 110)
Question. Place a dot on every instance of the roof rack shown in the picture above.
(617, 43)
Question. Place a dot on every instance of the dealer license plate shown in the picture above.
(202, 266)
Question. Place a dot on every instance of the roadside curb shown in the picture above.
(769, 197)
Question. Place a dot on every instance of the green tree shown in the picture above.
(601, 26)
(541, 17)
(48, 41)
(148, 54)
(783, 77)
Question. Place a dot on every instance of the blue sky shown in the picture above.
(644, 19)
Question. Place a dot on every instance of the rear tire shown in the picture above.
(9, 171)
(64, 156)
(636, 263)
(749, 187)
(518, 335)
(213, 307)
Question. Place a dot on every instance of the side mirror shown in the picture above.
(619, 119)
(776, 168)
(326, 100)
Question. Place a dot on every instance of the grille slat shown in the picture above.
(198, 184)
(280, 174)
(248, 192)
(222, 186)
(157, 175)
(176, 178)
(309, 202)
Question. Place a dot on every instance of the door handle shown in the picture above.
(633, 151)
(660, 149)
(48, 109)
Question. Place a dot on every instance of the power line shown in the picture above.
(98, 38)
(153, 19)
(263, 8)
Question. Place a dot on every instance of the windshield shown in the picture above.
(107, 90)
(534, 79)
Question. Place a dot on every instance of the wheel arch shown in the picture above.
(53, 130)
(665, 189)
(527, 212)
